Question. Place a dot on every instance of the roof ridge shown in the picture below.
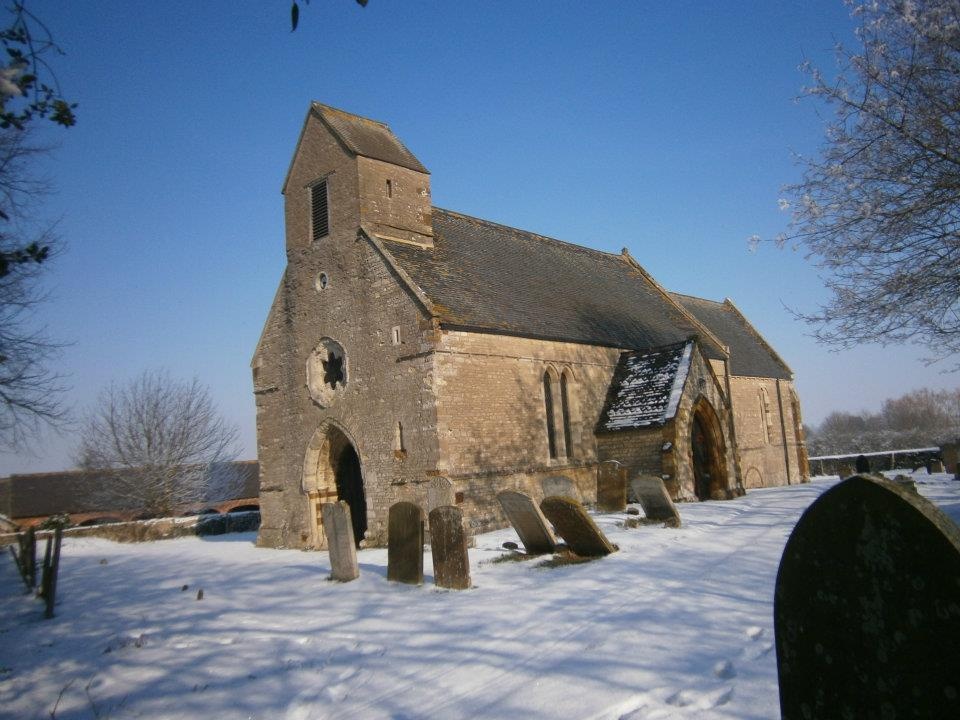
(319, 104)
(696, 297)
(528, 233)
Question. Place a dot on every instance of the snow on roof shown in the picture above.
(647, 387)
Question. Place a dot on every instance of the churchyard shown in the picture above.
(673, 619)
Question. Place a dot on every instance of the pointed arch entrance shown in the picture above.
(707, 451)
(332, 471)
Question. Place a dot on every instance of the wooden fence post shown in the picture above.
(51, 594)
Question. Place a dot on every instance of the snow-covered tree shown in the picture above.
(879, 209)
(162, 442)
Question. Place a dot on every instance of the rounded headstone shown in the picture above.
(867, 607)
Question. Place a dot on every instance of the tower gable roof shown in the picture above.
(366, 137)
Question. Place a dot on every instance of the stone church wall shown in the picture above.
(766, 431)
(491, 416)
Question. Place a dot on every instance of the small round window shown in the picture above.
(322, 282)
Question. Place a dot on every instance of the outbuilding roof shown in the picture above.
(750, 354)
(486, 277)
(77, 491)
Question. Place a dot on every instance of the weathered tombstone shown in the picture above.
(936, 466)
(577, 529)
(867, 607)
(338, 527)
(528, 521)
(655, 500)
(862, 464)
(560, 486)
(448, 545)
(611, 487)
(405, 543)
(439, 493)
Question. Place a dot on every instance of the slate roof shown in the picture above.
(646, 387)
(76, 491)
(750, 355)
(483, 276)
(369, 138)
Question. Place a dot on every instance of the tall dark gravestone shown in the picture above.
(576, 527)
(448, 545)
(867, 607)
(611, 487)
(405, 543)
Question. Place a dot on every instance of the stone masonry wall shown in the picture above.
(491, 416)
(766, 431)
(386, 408)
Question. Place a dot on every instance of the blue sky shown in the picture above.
(665, 128)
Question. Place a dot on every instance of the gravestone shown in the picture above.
(611, 487)
(577, 529)
(439, 492)
(405, 543)
(528, 521)
(448, 543)
(655, 500)
(338, 528)
(867, 607)
(560, 486)
(936, 466)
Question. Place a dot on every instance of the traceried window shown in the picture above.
(319, 215)
(548, 407)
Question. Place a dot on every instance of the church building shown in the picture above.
(414, 353)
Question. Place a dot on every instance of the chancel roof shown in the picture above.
(486, 277)
(646, 387)
(750, 355)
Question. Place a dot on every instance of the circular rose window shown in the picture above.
(326, 372)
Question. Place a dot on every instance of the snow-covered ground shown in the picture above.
(678, 624)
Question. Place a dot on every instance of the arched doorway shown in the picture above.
(349, 482)
(708, 452)
(332, 471)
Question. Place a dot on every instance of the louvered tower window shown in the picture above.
(320, 218)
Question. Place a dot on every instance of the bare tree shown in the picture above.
(30, 392)
(161, 441)
(920, 418)
(879, 209)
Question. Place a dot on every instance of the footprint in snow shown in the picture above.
(724, 670)
(715, 699)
